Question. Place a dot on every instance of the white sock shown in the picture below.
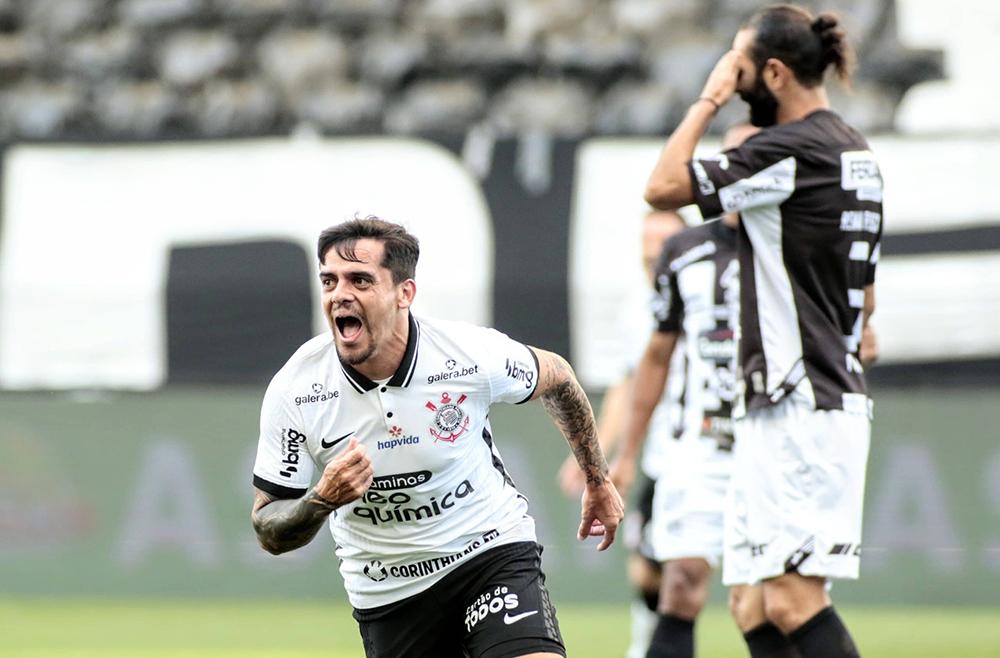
(643, 625)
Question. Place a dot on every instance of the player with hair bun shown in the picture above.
(809, 194)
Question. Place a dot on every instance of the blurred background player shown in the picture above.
(698, 283)
(643, 568)
(809, 194)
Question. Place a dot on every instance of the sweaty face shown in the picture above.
(359, 300)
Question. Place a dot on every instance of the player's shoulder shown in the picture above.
(688, 246)
(305, 362)
(465, 342)
(453, 331)
(822, 130)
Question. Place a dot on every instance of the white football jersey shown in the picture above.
(440, 492)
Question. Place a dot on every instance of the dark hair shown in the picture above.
(401, 249)
(804, 44)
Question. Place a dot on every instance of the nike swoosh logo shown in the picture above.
(330, 444)
(508, 619)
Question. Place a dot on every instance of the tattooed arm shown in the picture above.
(566, 403)
(284, 525)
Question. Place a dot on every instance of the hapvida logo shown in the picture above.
(397, 439)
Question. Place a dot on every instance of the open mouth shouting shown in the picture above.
(349, 327)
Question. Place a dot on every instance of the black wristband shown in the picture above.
(710, 100)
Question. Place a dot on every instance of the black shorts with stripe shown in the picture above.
(493, 606)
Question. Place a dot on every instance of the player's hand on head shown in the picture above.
(348, 476)
(571, 479)
(602, 513)
(721, 83)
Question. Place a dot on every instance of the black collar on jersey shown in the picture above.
(403, 374)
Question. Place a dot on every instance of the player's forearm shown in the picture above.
(284, 525)
(669, 185)
(567, 404)
(650, 380)
(611, 418)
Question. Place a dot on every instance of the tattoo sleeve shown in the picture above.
(284, 525)
(567, 405)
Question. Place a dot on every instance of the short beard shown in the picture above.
(358, 358)
(763, 105)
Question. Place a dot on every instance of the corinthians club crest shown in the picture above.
(450, 422)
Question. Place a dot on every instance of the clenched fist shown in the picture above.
(346, 478)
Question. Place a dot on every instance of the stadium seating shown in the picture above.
(141, 69)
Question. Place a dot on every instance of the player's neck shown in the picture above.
(802, 102)
(385, 362)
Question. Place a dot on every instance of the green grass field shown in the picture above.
(283, 629)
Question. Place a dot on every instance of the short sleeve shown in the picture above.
(757, 173)
(511, 367)
(668, 305)
(283, 467)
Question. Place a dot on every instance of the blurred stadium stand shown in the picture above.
(141, 69)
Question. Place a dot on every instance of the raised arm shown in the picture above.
(283, 525)
(566, 403)
(669, 185)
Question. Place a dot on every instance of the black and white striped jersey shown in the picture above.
(697, 279)
(809, 194)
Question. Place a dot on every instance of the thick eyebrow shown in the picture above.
(361, 274)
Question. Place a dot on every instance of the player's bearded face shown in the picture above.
(352, 334)
(763, 104)
(359, 305)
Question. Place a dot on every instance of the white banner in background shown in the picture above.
(87, 232)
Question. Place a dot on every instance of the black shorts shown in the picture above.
(493, 606)
(644, 498)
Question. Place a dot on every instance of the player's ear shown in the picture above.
(405, 292)
(775, 74)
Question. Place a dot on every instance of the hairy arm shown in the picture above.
(284, 525)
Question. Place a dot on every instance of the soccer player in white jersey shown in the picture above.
(809, 194)
(643, 568)
(436, 546)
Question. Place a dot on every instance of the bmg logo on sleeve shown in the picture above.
(520, 372)
(291, 448)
